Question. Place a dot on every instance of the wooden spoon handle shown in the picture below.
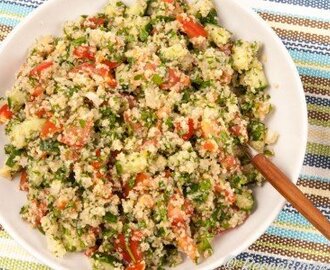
(293, 195)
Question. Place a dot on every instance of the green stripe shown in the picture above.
(317, 122)
(317, 108)
(318, 149)
(8, 263)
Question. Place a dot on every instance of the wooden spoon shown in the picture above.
(290, 192)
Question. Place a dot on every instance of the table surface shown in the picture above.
(290, 242)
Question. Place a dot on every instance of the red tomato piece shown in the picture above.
(23, 183)
(137, 266)
(135, 249)
(229, 162)
(120, 246)
(96, 164)
(37, 91)
(168, 1)
(77, 136)
(111, 64)
(49, 129)
(84, 52)
(95, 22)
(172, 80)
(41, 67)
(191, 129)
(191, 27)
(5, 113)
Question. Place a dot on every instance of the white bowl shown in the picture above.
(289, 119)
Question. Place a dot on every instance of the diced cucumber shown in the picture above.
(243, 54)
(245, 201)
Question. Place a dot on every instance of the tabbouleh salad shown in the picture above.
(128, 131)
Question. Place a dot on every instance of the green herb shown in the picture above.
(79, 41)
(106, 258)
(50, 146)
(119, 168)
(211, 17)
(13, 153)
(138, 77)
(256, 130)
(110, 217)
(131, 182)
(10, 103)
(157, 79)
(149, 117)
(82, 123)
(169, 122)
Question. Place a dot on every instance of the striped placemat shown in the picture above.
(290, 242)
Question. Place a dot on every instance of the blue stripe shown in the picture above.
(322, 4)
(314, 72)
(295, 234)
(317, 161)
(310, 57)
(315, 177)
(318, 101)
(293, 218)
(9, 21)
(10, 8)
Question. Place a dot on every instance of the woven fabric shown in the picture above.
(290, 242)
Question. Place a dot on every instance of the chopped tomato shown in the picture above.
(96, 164)
(5, 113)
(130, 250)
(23, 183)
(191, 27)
(135, 248)
(43, 113)
(106, 74)
(41, 67)
(98, 152)
(140, 177)
(77, 136)
(168, 1)
(229, 162)
(172, 80)
(84, 52)
(191, 129)
(37, 91)
(121, 248)
(209, 146)
(95, 22)
(168, 173)
(111, 64)
(137, 266)
(39, 210)
(49, 129)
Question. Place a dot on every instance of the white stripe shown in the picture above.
(319, 134)
(10, 249)
(289, 9)
(323, 173)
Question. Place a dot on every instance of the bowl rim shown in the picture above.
(275, 211)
